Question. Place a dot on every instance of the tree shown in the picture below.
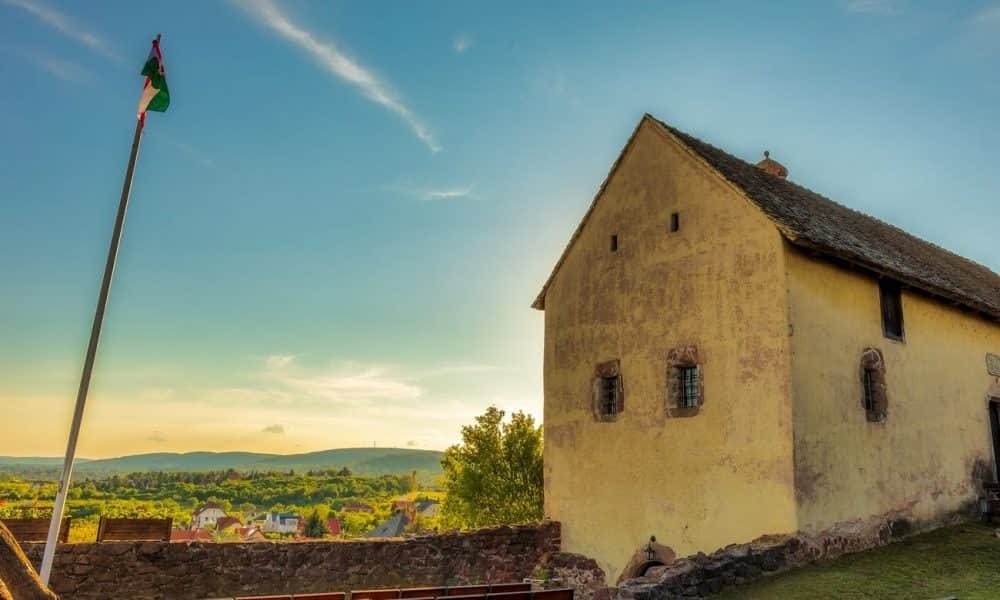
(315, 527)
(495, 475)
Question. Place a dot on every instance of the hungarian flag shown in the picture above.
(155, 95)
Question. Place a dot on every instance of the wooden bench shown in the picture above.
(316, 596)
(505, 588)
(485, 591)
(133, 530)
(35, 530)
(383, 594)
(422, 592)
(559, 594)
(522, 595)
(497, 591)
(468, 590)
(991, 501)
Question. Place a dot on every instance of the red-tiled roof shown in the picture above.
(190, 535)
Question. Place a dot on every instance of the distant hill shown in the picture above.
(361, 461)
(36, 461)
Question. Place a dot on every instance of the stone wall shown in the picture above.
(196, 570)
(701, 575)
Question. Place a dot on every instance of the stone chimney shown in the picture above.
(772, 166)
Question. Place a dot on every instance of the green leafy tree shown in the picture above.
(495, 475)
(315, 527)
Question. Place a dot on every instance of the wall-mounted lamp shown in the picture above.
(650, 551)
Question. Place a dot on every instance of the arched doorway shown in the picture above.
(643, 568)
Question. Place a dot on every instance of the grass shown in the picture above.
(961, 561)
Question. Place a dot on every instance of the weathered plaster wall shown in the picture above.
(195, 570)
(695, 482)
(923, 459)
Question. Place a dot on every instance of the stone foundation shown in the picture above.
(576, 571)
(703, 575)
(196, 570)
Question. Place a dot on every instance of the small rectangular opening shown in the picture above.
(609, 396)
(614, 243)
(890, 296)
(675, 222)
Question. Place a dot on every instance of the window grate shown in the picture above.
(869, 381)
(689, 387)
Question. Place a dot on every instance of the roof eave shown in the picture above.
(910, 282)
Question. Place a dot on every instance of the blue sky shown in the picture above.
(338, 227)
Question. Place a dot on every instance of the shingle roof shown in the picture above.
(224, 522)
(809, 220)
(392, 527)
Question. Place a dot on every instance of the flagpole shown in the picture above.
(88, 364)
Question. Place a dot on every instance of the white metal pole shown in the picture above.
(88, 364)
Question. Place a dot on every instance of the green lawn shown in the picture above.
(961, 561)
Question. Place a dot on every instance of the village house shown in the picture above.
(277, 522)
(250, 533)
(227, 524)
(333, 526)
(728, 354)
(207, 514)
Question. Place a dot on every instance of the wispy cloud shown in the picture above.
(192, 153)
(351, 384)
(431, 193)
(989, 16)
(158, 437)
(451, 370)
(65, 25)
(279, 361)
(447, 194)
(339, 65)
(886, 8)
(61, 69)
(276, 429)
(462, 42)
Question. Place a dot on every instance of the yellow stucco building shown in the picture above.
(729, 355)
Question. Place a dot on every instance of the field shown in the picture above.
(961, 561)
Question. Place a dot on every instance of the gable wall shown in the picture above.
(935, 442)
(696, 483)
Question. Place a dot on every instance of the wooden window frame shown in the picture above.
(609, 371)
(679, 359)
